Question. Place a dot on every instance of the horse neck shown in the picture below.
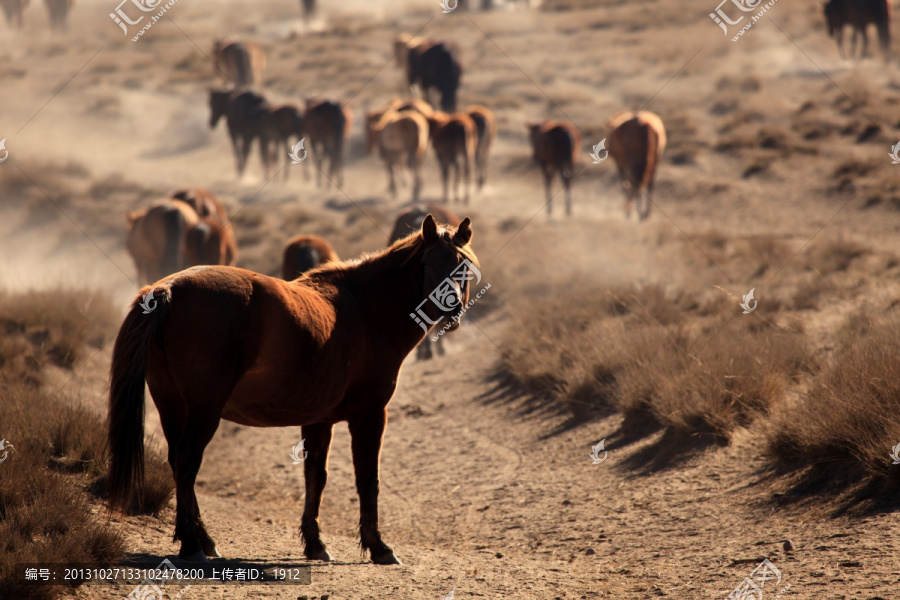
(388, 289)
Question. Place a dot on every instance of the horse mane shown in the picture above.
(393, 257)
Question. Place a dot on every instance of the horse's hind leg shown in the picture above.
(366, 432)
(548, 181)
(315, 472)
(189, 529)
(445, 179)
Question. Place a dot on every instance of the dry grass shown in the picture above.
(46, 510)
(648, 353)
(847, 422)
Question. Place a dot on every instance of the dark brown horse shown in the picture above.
(285, 124)
(454, 138)
(486, 125)
(225, 343)
(555, 146)
(156, 238)
(859, 14)
(431, 65)
(246, 115)
(408, 222)
(328, 125)
(305, 252)
(59, 12)
(637, 142)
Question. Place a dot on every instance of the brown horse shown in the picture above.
(156, 238)
(454, 138)
(486, 125)
(303, 253)
(225, 343)
(328, 125)
(859, 14)
(59, 12)
(239, 62)
(399, 135)
(408, 222)
(210, 242)
(435, 65)
(284, 124)
(14, 10)
(204, 202)
(636, 144)
(555, 146)
(246, 114)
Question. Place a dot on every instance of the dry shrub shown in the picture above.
(46, 512)
(716, 380)
(827, 256)
(847, 422)
(51, 327)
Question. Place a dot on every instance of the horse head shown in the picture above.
(448, 264)
(218, 105)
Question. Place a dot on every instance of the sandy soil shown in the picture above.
(481, 492)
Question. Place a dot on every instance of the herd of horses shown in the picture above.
(325, 342)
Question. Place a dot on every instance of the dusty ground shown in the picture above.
(767, 136)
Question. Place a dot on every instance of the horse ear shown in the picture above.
(464, 232)
(429, 229)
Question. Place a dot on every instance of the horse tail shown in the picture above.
(125, 425)
(174, 224)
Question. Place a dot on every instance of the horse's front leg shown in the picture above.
(366, 432)
(315, 472)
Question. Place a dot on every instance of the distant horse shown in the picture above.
(14, 10)
(285, 123)
(555, 146)
(239, 62)
(454, 138)
(59, 12)
(408, 222)
(225, 343)
(431, 65)
(859, 14)
(486, 125)
(204, 203)
(328, 125)
(156, 239)
(303, 253)
(399, 136)
(210, 242)
(637, 143)
(246, 114)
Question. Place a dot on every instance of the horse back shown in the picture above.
(556, 143)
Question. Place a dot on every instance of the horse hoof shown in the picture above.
(322, 554)
(386, 559)
(195, 557)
